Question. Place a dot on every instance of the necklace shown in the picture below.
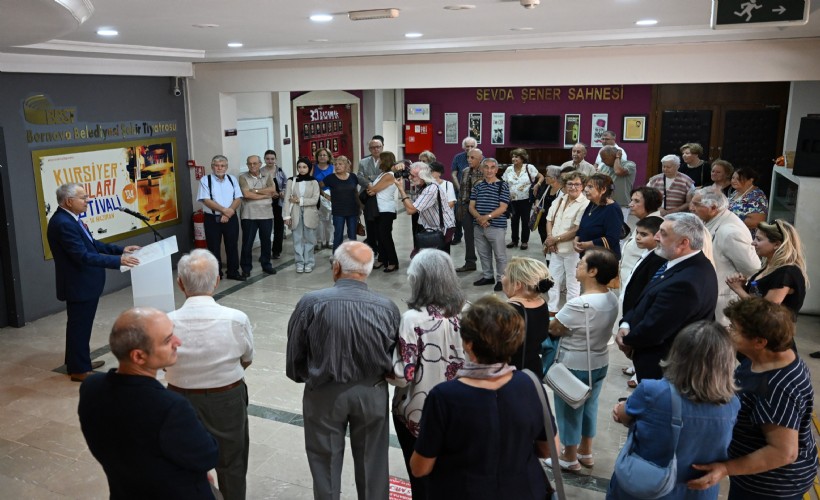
(737, 195)
(592, 208)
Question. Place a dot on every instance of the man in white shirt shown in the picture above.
(221, 196)
(579, 162)
(217, 347)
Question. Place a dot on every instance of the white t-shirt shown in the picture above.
(386, 198)
(448, 190)
(602, 311)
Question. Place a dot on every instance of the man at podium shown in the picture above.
(79, 263)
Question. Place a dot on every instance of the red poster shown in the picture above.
(327, 126)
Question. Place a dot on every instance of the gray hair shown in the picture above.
(349, 265)
(197, 271)
(67, 191)
(129, 332)
(689, 226)
(433, 281)
(218, 158)
(427, 154)
(554, 171)
(701, 363)
(712, 198)
(671, 159)
(476, 150)
(485, 161)
(610, 133)
(423, 171)
(470, 139)
(608, 150)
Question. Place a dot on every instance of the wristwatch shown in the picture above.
(256, 191)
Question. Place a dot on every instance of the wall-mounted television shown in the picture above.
(535, 129)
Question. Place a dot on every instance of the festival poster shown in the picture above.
(572, 130)
(599, 126)
(326, 126)
(138, 175)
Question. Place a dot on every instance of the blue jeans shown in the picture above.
(574, 423)
(339, 222)
(548, 353)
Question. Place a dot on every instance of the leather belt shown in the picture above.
(205, 391)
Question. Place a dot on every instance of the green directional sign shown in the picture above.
(740, 13)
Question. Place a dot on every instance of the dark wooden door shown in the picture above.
(750, 139)
(682, 126)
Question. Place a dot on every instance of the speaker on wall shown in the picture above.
(807, 154)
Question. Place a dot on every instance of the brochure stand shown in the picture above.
(152, 281)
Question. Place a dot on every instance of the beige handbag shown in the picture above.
(567, 386)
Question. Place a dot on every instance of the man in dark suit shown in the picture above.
(148, 439)
(366, 173)
(681, 292)
(80, 262)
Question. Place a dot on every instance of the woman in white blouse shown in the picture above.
(301, 214)
(520, 177)
(428, 350)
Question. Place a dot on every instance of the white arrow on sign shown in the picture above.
(780, 10)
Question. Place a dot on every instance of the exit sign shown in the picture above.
(742, 13)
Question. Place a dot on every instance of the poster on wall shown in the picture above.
(572, 130)
(634, 128)
(600, 122)
(326, 126)
(497, 132)
(138, 175)
(451, 128)
(474, 126)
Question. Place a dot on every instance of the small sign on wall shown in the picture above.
(600, 121)
(418, 112)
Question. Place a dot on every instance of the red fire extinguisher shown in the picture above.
(199, 230)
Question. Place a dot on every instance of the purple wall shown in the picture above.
(616, 100)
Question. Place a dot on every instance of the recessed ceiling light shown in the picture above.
(205, 25)
(320, 40)
(459, 7)
(107, 32)
(524, 28)
(413, 35)
(647, 22)
(321, 18)
(235, 45)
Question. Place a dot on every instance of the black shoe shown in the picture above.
(246, 274)
(269, 270)
(512, 245)
(276, 257)
(455, 242)
(498, 287)
(96, 364)
(236, 277)
(815, 355)
(466, 268)
(484, 281)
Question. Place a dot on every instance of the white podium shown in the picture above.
(152, 281)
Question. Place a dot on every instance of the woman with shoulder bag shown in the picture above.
(435, 214)
(522, 178)
(384, 190)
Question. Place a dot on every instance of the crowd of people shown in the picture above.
(699, 292)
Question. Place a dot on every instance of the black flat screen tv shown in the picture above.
(535, 129)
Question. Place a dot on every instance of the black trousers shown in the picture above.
(521, 217)
(387, 248)
(278, 229)
(78, 327)
(407, 441)
(216, 232)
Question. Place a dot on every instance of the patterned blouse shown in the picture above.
(427, 353)
(752, 202)
(520, 182)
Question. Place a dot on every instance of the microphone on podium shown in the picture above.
(134, 214)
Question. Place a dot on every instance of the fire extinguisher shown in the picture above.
(199, 230)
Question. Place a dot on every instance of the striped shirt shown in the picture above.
(674, 191)
(488, 197)
(783, 397)
(341, 334)
(427, 205)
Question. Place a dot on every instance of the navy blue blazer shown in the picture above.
(682, 295)
(148, 439)
(78, 262)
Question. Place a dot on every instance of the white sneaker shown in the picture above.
(308, 269)
(300, 269)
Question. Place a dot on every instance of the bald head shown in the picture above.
(474, 157)
(131, 331)
(354, 260)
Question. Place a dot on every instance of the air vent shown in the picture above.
(367, 15)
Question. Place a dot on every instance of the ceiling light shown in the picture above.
(320, 40)
(647, 22)
(205, 25)
(321, 18)
(413, 35)
(235, 45)
(367, 15)
(524, 28)
(107, 32)
(459, 7)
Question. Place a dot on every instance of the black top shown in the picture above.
(702, 175)
(538, 320)
(343, 195)
(789, 276)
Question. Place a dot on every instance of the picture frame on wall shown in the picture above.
(600, 122)
(572, 130)
(634, 128)
(450, 128)
(497, 132)
(474, 126)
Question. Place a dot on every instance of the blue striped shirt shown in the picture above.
(488, 197)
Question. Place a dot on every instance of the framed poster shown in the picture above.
(600, 122)
(450, 128)
(634, 128)
(474, 126)
(572, 130)
(325, 126)
(497, 132)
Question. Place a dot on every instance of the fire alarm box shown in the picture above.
(418, 137)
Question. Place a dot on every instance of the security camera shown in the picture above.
(175, 89)
(530, 4)
(177, 92)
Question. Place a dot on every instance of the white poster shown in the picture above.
(600, 121)
(497, 132)
(451, 128)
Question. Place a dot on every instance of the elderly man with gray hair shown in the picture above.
(683, 290)
(731, 243)
(431, 203)
(217, 347)
(676, 188)
(340, 343)
(613, 163)
(488, 205)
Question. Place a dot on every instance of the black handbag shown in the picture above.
(433, 238)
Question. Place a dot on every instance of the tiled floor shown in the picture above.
(43, 454)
